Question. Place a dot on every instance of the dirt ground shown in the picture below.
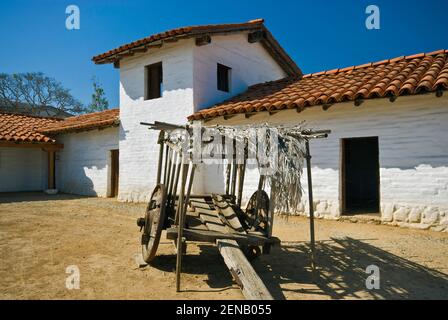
(41, 235)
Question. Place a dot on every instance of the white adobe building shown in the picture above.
(382, 157)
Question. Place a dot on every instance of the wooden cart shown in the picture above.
(240, 234)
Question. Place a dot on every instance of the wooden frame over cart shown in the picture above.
(240, 234)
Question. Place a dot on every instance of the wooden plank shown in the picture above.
(242, 271)
(227, 214)
(202, 235)
(208, 214)
(240, 268)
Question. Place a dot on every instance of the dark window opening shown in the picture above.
(223, 78)
(153, 81)
(360, 175)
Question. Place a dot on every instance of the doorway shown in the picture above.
(360, 175)
(114, 170)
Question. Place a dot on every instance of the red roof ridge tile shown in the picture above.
(30, 115)
(88, 121)
(113, 110)
(405, 75)
(376, 63)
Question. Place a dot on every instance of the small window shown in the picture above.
(223, 78)
(153, 81)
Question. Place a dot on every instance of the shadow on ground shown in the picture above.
(14, 197)
(208, 261)
(341, 272)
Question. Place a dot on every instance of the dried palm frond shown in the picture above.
(285, 148)
(278, 151)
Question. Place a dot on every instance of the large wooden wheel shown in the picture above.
(253, 221)
(153, 223)
(257, 221)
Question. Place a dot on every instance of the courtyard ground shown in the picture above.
(41, 235)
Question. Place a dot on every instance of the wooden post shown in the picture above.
(234, 170)
(176, 183)
(190, 186)
(260, 188)
(228, 172)
(165, 167)
(168, 168)
(51, 169)
(159, 166)
(172, 174)
(180, 226)
(311, 204)
(233, 185)
(241, 173)
(267, 246)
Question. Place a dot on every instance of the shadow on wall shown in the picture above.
(133, 82)
(248, 97)
(341, 265)
(77, 182)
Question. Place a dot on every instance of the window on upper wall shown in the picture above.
(223, 73)
(153, 81)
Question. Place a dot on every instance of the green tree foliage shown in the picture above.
(99, 101)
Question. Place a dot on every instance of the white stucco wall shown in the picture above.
(138, 146)
(250, 63)
(83, 165)
(189, 82)
(413, 154)
(22, 169)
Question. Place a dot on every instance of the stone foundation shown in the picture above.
(416, 217)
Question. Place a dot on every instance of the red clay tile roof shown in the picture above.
(96, 120)
(405, 75)
(23, 128)
(268, 41)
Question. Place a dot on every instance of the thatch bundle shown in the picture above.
(278, 151)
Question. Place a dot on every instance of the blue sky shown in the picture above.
(318, 34)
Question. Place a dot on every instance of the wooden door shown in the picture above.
(114, 173)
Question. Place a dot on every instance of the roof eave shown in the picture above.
(268, 42)
(31, 144)
(77, 129)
